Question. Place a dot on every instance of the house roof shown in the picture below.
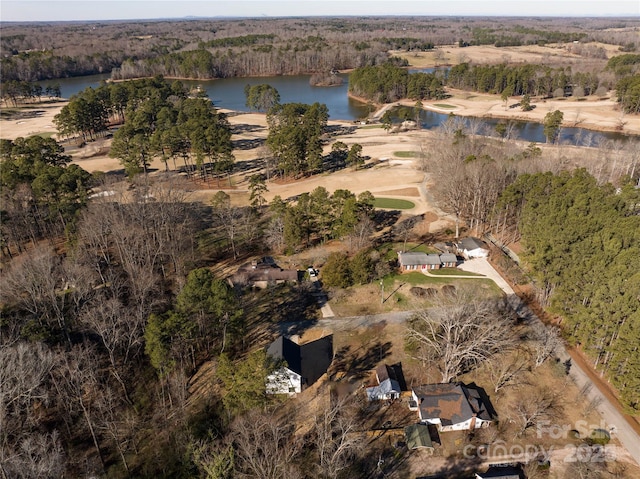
(417, 436)
(471, 244)
(452, 403)
(263, 271)
(412, 258)
(496, 472)
(448, 258)
(433, 259)
(394, 371)
(447, 247)
(310, 360)
(385, 387)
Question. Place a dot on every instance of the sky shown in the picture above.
(53, 10)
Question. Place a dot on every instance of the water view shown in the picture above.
(228, 93)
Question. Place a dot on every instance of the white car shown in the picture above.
(312, 272)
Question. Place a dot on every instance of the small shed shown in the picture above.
(417, 436)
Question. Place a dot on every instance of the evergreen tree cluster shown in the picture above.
(41, 192)
(538, 80)
(628, 93)
(319, 215)
(295, 131)
(387, 83)
(582, 242)
(159, 118)
(21, 91)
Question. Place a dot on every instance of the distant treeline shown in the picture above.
(33, 52)
(304, 56)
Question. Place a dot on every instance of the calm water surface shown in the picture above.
(228, 93)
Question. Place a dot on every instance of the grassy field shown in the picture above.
(444, 105)
(393, 203)
(405, 154)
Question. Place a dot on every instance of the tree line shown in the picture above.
(42, 193)
(158, 118)
(582, 245)
(24, 91)
(387, 83)
(37, 52)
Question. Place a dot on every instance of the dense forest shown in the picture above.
(224, 48)
(582, 243)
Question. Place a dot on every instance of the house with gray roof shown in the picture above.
(472, 248)
(417, 261)
(450, 406)
(448, 260)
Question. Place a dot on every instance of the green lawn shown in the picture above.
(445, 105)
(405, 154)
(368, 127)
(453, 271)
(45, 134)
(393, 204)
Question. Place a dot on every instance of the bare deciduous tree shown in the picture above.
(532, 407)
(265, 446)
(506, 369)
(461, 333)
(24, 371)
(361, 235)
(546, 342)
(35, 285)
(38, 456)
(334, 437)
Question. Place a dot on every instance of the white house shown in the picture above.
(302, 365)
(450, 406)
(390, 383)
(473, 248)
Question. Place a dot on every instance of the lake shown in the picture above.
(228, 93)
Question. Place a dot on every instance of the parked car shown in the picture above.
(312, 272)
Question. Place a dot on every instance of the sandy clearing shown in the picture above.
(23, 127)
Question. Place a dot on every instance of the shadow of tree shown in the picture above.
(246, 128)
(247, 144)
(359, 363)
(456, 467)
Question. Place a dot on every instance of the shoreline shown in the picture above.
(492, 108)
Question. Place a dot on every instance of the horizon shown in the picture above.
(38, 11)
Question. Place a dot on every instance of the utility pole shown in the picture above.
(381, 292)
